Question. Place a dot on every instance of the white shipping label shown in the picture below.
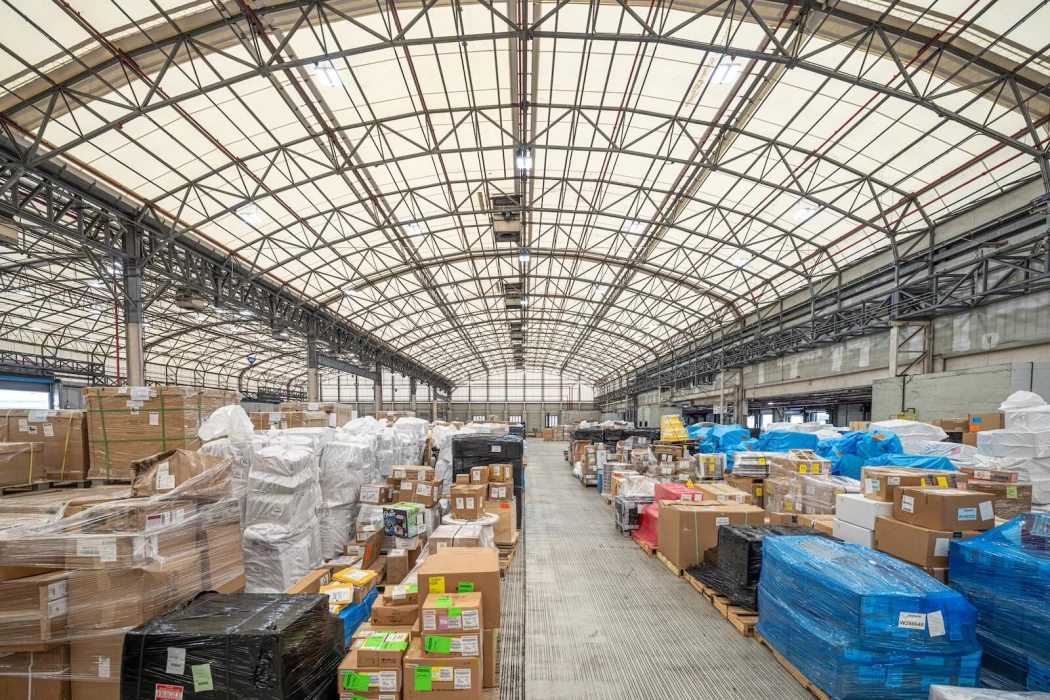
(908, 506)
(275, 417)
(470, 503)
(340, 595)
(935, 622)
(331, 420)
(57, 590)
(103, 667)
(49, 430)
(940, 547)
(33, 430)
(986, 511)
(429, 620)
(462, 679)
(134, 410)
(23, 425)
(57, 608)
(396, 553)
(982, 474)
(443, 673)
(741, 497)
(455, 623)
(398, 594)
(140, 393)
(967, 514)
(154, 418)
(497, 449)
(165, 483)
(313, 407)
(370, 494)
(400, 474)
(912, 621)
(893, 481)
(176, 661)
(721, 521)
(470, 620)
(36, 416)
(871, 486)
(423, 489)
(469, 645)
(388, 680)
(104, 549)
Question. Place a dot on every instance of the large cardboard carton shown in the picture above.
(94, 663)
(385, 614)
(468, 502)
(464, 569)
(999, 475)
(500, 491)
(21, 463)
(945, 509)
(454, 677)
(751, 486)
(130, 423)
(375, 494)
(355, 678)
(382, 648)
(335, 414)
(986, 421)
(687, 529)
(398, 564)
(722, 493)
(479, 475)
(489, 655)
(402, 595)
(62, 433)
(426, 493)
(501, 473)
(40, 675)
(413, 473)
(506, 529)
(952, 425)
(222, 558)
(163, 472)
(917, 545)
(312, 582)
(881, 483)
(860, 511)
(366, 545)
(1010, 501)
(34, 609)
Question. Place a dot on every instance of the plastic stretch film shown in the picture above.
(912, 434)
(345, 464)
(1004, 574)
(258, 646)
(948, 692)
(104, 562)
(63, 435)
(629, 511)
(861, 624)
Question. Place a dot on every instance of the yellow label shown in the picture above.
(816, 468)
(803, 469)
(922, 482)
(437, 584)
(942, 482)
(758, 490)
(761, 461)
(689, 483)
(789, 506)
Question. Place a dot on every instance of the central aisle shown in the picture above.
(605, 621)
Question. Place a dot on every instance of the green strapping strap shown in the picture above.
(163, 425)
(102, 420)
(65, 449)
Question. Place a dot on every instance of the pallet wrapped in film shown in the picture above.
(260, 646)
(1004, 574)
(861, 624)
(948, 692)
(629, 511)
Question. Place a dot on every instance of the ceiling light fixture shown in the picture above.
(328, 74)
(805, 212)
(726, 71)
(740, 258)
(413, 229)
(524, 255)
(637, 226)
(350, 292)
(246, 313)
(96, 284)
(249, 215)
(523, 159)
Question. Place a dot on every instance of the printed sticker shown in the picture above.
(1011, 492)
(893, 481)
(968, 514)
(32, 430)
(154, 418)
(429, 620)
(470, 620)
(202, 678)
(907, 505)
(462, 676)
(721, 521)
(912, 621)
(176, 661)
(935, 620)
(140, 393)
(497, 449)
(167, 692)
(872, 486)
(982, 474)
(940, 547)
(103, 667)
(49, 430)
(986, 511)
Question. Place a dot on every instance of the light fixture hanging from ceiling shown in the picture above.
(523, 159)
(327, 74)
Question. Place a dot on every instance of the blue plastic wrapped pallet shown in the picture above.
(848, 453)
(912, 462)
(861, 624)
(1005, 574)
(784, 440)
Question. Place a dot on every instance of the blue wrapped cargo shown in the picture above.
(912, 462)
(848, 453)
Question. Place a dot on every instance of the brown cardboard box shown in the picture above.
(95, 658)
(825, 526)
(479, 475)
(675, 452)
(335, 414)
(163, 472)
(352, 671)
(500, 491)
(881, 483)
(465, 535)
(452, 613)
(1011, 500)
(413, 473)
(916, 545)
(944, 509)
(751, 486)
(688, 528)
(375, 494)
(939, 574)
(506, 530)
(92, 690)
(811, 520)
(952, 425)
(501, 472)
(366, 545)
(986, 421)
(222, 558)
(784, 518)
(384, 614)
(366, 628)
(462, 568)
(421, 684)
(402, 595)
(468, 502)
(462, 479)
(34, 609)
(382, 648)
(997, 475)
(34, 686)
(489, 654)
(721, 493)
(46, 673)
(312, 582)
(264, 420)
(969, 439)
(129, 423)
(21, 463)
(63, 434)
(426, 493)
(397, 566)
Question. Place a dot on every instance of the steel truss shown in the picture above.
(98, 225)
(50, 365)
(1008, 258)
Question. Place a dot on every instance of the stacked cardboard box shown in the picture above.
(21, 463)
(687, 528)
(307, 414)
(500, 501)
(129, 423)
(63, 435)
(1012, 496)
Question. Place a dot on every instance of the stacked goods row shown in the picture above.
(861, 624)
(479, 450)
(107, 559)
(42, 445)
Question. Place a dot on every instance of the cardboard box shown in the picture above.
(424, 679)
(130, 423)
(501, 472)
(413, 473)
(382, 649)
(952, 425)
(39, 675)
(479, 475)
(366, 545)
(489, 655)
(468, 502)
(1010, 501)
(945, 509)
(384, 614)
(825, 526)
(312, 582)
(986, 421)
(939, 574)
(500, 491)
(397, 565)
(62, 433)
(94, 664)
(722, 493)
(687, 529)
(880, 483)
(425, 493)
(402, 595)
(462, 479)
(750, 486)
(997, 475)
(461, 569)
(165, 471)
(849, 532)
(811, 520)
(506, 530)
(222, 558)
(403, 520)
(969, 439)
(34, 609)
(451, 613)
(916, 545)
(857, 510)
(466, 535)
(784, 518)
(374, 494)
(359, 679)
(366, 628)
(21, 463)
(348, 587)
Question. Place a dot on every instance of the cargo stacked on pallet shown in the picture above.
(470, 451)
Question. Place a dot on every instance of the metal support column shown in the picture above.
(412, 395)
(313, 389)
(377, 390)
(133, 309)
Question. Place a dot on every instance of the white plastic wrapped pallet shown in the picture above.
(443, 435)
(345, 463)
(912, 434)
(1025, 410)
(1027, 453)
(958, 454)
(228, 432)
(412, 438)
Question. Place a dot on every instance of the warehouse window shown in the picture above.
(552, 421)
(479, 419)
(514, 419)
(10, 398)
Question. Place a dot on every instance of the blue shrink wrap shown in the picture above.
(862, 624)
(1005, 574)
(725, 436)
(942, 464)
(784, 440)
(848, 453)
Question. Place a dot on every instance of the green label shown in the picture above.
(438, 645)
(443, 602)
(455, 612)
(1011, 492)
(374, 642)
(413, 588)
(202, 678)
(355, 681)
(465, 587)
(394, 646)
(423, 679)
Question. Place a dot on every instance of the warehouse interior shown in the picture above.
(676, 312)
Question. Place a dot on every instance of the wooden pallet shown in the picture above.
(645, 548)
(743, 620)
(506, 554)
(608, 499)
(27, 488)
(795, 673)
(670, 566)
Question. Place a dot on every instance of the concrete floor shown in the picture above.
(602, 620)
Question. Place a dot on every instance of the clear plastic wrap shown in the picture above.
(21, 463)
(62, 433)
(1004, 574)
(861, 624)
(228, 433)
(951, 692)
(442, 437)
(1027, 453)
(264, 647)
(753, 465)
(638, 487)
(648, 531)
(912, 433)
(628, 511)
(412, 435)
(818, 494)
(486, 536)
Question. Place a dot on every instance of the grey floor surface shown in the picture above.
(588, 615)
